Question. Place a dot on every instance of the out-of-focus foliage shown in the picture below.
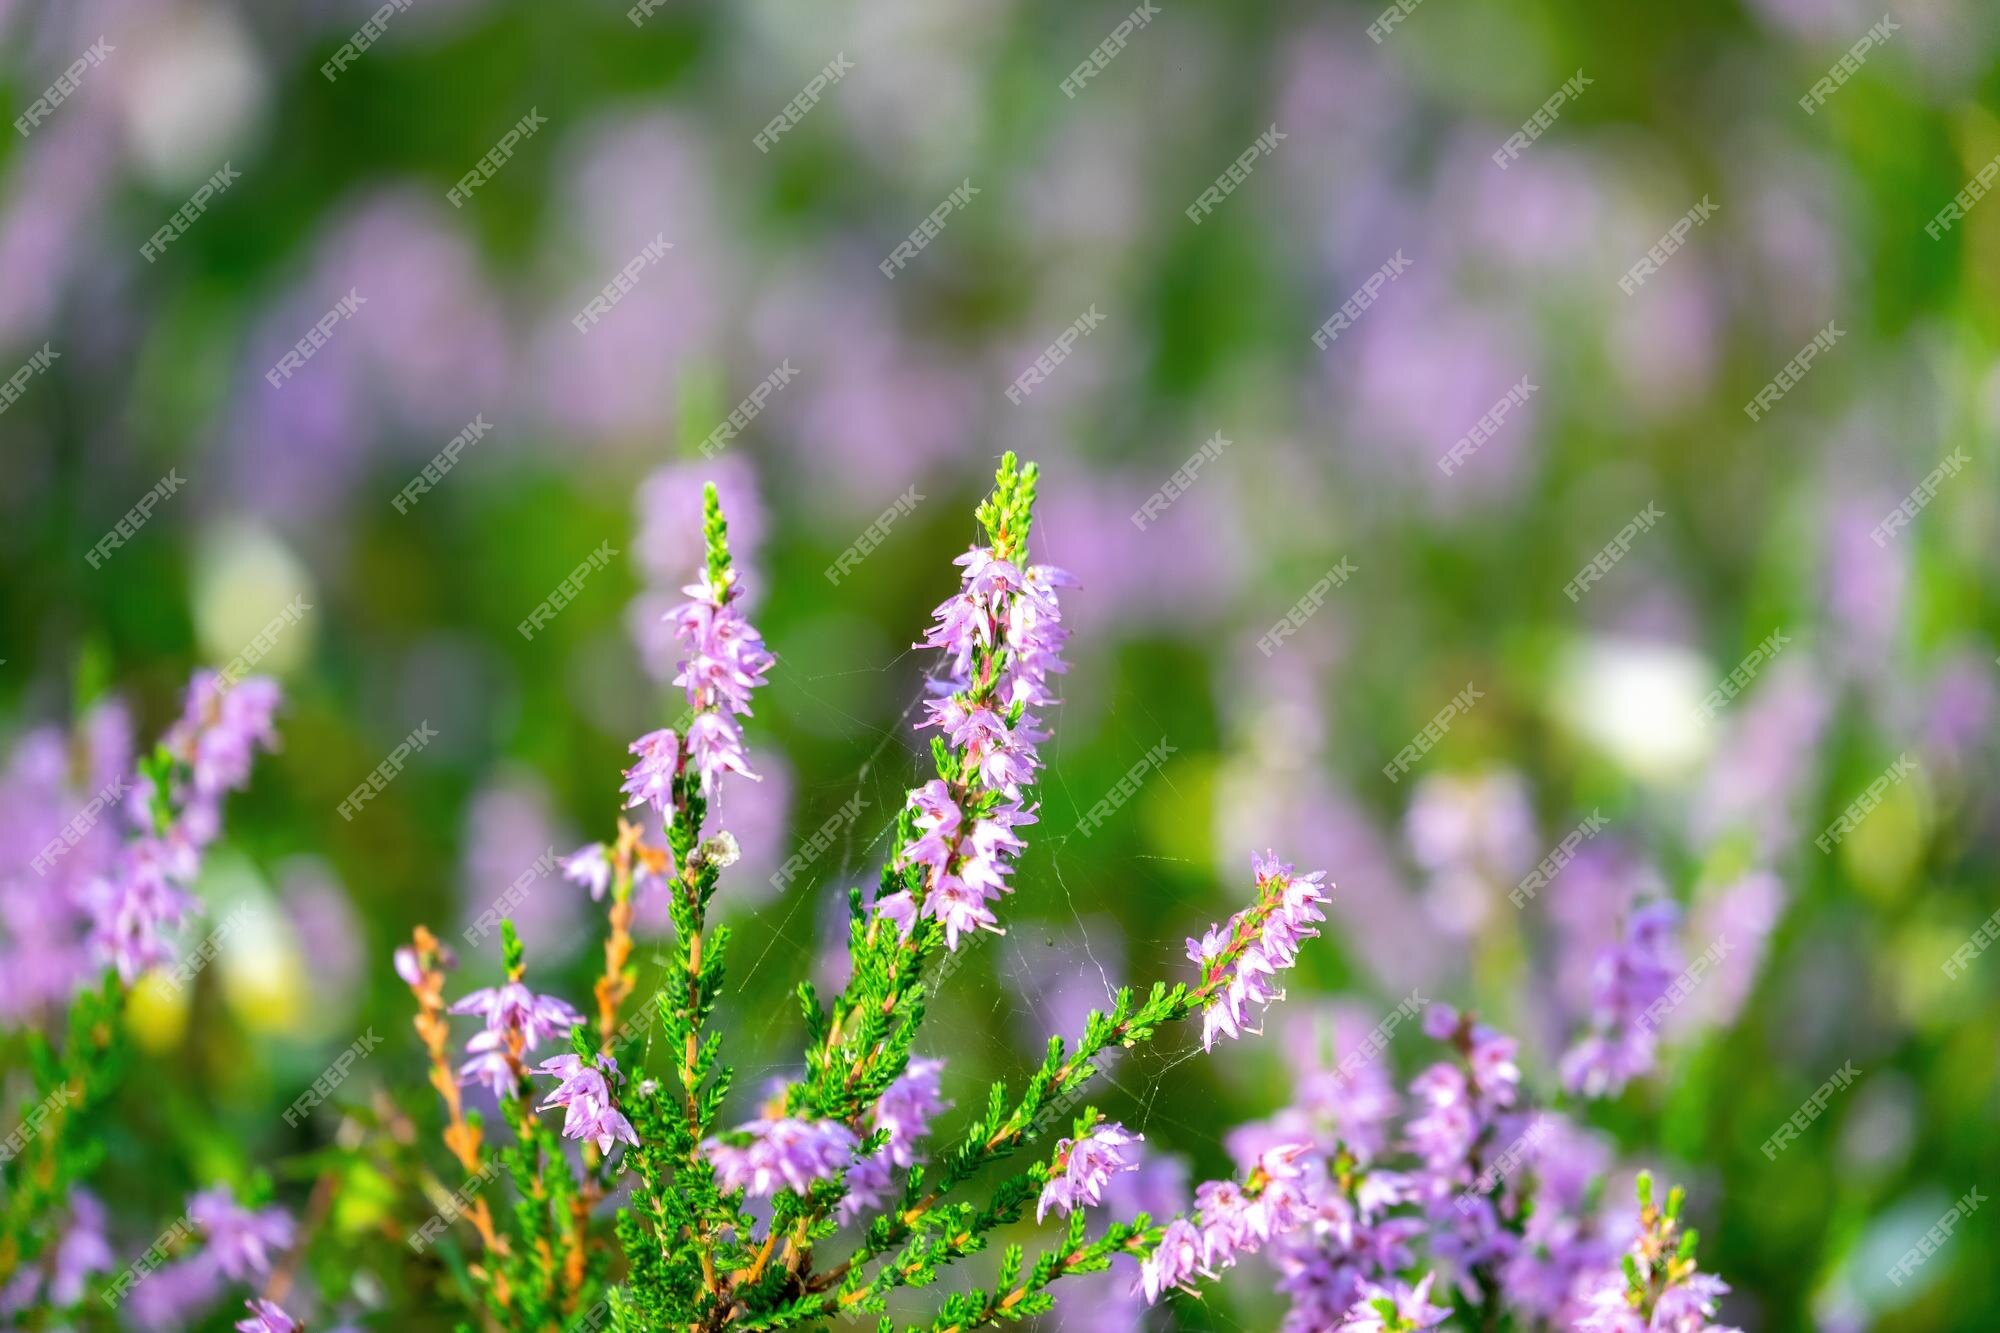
(1207, 463)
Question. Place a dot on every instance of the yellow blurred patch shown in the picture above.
(263, 977)
(246, 579)
(157, 1015)
(366, 1198)
(1882, 854)
(1177, 808)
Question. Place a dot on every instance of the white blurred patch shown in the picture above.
(245, 579)
(254, 951)
(1637, 700)
(190, 87)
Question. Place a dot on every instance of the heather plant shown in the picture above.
(846, 1197)
(838, 1196)
(101, 902)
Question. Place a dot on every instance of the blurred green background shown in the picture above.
(288, 489)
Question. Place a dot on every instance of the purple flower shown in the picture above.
(1562, 1242)
(240, 1241)
(937, 822)
(508, 1009)
(900, 910)
(587, 1097)
(1233, 1219)
(906, 1109)
(1628, 979)
(1084, 1166)
(489, 1063)
(725, 661)
(1240, 959)
(961, 907)
(510, 837)
(1743, 914)
(968, 868)
(1656, 1290)
(1000, 604)
(266, 1317)
(216, 738)
(45, 949)
(1174, 1262)
(81, 1251)
(176, 1294)
(1009, 619)
(1342, 1087)
(133, 910)
(1394, 1308)
(871, 1184)
(590, 867)
(788, 1153)
(222, 729)
(1483, 822)
(715, 747)
(1470, 833)
(513, 1007)
(651, 780)
(144, 897)
(727, 658)
(1765, 760)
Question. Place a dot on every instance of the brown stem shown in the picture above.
(460, 1137)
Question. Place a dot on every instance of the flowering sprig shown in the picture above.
(173, 810)
(675, 1232)
(1230, 1220)
(538, 1263)
(422, 965)
(953, 845)
(1241, 958)
(1627, 982)
(176, 804)
(1657, 1288)
(844, 1144)
(738, 1228)
(1083, 1166)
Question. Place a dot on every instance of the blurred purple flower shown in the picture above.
(873, 400)
(80, 1251)
(629, 180)
(1768, 756)
(44, 913)
(786, 1154)
(1472, 833)
(425, 352)
(1960, 705)
(511, 838)
(54, 200)
(1424, 369)
(1743, 912)
(1627, 979)
(242, 1242)
(1411, 1307)
(329, 932)
(266, 1317)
